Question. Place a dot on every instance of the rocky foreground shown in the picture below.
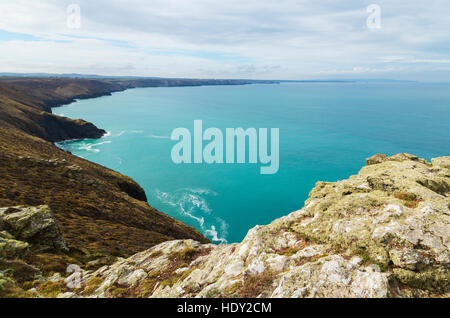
(382, 233)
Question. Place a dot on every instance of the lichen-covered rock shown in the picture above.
(332, 276)
(35, 225)
(382, 233)
(10, 247)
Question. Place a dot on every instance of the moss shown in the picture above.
(145, 288)
(4, 280)
(51, 289)
(213, 293)
(31, 284)
(92, 285)
(369, 255)
(437, 280)
(117, 292)
(169, 282)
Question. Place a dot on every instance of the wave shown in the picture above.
(190, 203)
(90, 147)
(128, 131)
(200, 191)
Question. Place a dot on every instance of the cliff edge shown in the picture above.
(382, 233)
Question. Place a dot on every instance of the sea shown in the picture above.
(326, 131)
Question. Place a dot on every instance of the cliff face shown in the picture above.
(25, 103)
(382, 233)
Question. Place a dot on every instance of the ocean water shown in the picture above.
(326, 132)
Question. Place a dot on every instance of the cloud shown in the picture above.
(286, 39)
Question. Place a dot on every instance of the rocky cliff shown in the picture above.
(382, 233)
(25, 103)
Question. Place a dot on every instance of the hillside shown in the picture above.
(101, 213)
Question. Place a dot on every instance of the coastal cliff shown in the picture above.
(100, 214)
(381, 233)
(72, 228)
(25, 103)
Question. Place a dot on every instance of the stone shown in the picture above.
(35, 225)
(375, 159)
(11, 248)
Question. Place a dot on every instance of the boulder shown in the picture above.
(35, 225)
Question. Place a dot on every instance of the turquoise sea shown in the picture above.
(326, 132)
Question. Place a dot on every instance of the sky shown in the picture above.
(253, 39)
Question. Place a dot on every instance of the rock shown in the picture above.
(56, 277)
(359, 237)
(408, 259)
(331, 276)
(407, 157)
(11, 248)
(35, 225)
(132, 278)
(442, 163)
(378, 158)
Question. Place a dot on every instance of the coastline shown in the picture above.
(30, 130)
(380, 233)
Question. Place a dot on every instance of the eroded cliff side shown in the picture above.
(382, 233)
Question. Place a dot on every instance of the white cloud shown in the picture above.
(284, 39)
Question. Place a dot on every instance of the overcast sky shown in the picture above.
(261, 39)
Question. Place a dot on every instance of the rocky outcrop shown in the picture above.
(382, 233)
(58, 128)
(34, 225)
